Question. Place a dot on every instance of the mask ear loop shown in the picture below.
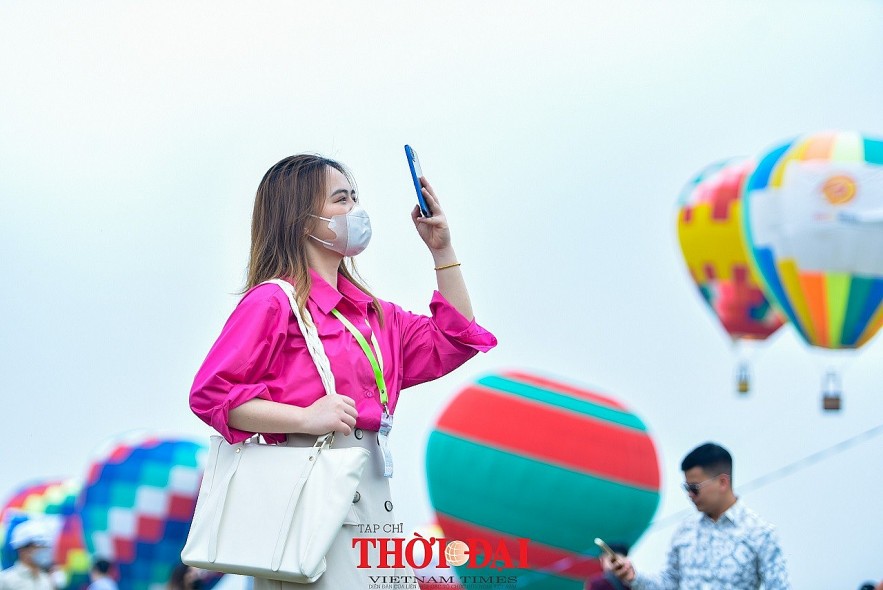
(327, 244)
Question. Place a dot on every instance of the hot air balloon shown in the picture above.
(54, 502)
(814, 221)
(137, 503)
(714, 249)
(527, 471)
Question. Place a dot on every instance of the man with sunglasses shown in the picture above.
(724, 547)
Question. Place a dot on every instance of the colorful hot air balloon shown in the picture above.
(55, 502)
(518, 457)
(137, 504)
(716, 254)
(814, 220)
(807, 202)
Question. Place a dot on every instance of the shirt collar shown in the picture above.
(327, 298)
(22, 570)
(734, 513)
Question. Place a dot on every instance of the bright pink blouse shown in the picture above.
(261, 353)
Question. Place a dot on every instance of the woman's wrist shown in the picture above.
(444, 257)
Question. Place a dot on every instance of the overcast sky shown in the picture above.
(558, 135)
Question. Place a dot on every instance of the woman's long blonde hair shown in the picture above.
(291, 191)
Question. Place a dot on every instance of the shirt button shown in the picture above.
(357, 497)
(358, 433)
(388, 506)
(369, 393)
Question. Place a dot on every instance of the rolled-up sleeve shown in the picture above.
(434, 346)
(244, 352)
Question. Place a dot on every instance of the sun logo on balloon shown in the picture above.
(839, 189)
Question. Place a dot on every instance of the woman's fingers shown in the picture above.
(432, 201)
(347, 413)
(333, 412)
(427, 186)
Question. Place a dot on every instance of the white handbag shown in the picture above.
(274, 511)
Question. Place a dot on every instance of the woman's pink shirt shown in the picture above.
(262, 354)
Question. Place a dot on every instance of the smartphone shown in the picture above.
(606, 548)
(416, 173)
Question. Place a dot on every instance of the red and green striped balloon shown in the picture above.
(516, 456)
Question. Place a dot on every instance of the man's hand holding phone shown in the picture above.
(620, 565)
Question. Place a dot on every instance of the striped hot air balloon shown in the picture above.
(516, 457)
(714, 249)
(54, 502)
(814, 220)
(815, 224)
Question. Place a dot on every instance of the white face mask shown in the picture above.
(42, 556)
(352, 231)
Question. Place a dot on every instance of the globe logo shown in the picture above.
(456, 553)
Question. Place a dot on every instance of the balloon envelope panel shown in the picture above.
(516, 456)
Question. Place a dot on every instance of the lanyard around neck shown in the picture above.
(376, 361)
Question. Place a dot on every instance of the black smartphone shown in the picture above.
(416, 173)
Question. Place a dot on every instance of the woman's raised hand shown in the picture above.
(330, 413)
(434, 231)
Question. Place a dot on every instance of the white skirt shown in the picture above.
(371, 516)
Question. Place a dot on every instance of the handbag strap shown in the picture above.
(311, 335)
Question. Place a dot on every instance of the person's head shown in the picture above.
(185, 577)
(293, 196)
(31, 540)
(708, 478)
(100, 569)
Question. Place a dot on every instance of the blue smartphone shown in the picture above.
(416, 173)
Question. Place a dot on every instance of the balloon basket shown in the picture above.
(831, 403)
(831, 392)
(743, 379)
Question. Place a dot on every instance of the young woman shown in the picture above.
(259, 376)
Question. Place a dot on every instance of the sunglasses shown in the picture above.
(694, 488)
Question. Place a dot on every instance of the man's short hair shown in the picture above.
(712, 458)
(102, 566)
